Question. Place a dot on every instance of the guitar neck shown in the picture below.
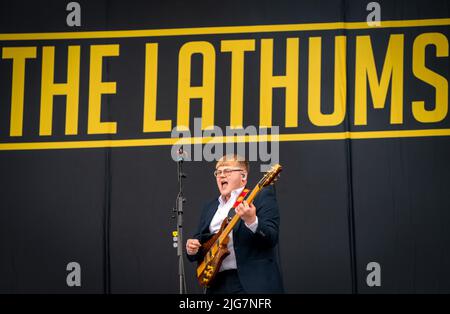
(236, 218)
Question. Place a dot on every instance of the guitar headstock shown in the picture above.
(271, 176)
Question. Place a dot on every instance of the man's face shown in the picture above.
(229, 177)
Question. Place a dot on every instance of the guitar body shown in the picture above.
(213, 252)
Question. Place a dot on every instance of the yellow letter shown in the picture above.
(70, 89)
(423, 73)
(19, 56)
(340, 83)
(288, 81)
(97, 87)
(237, 49)
(206, 91)
(151, 124)
(366, 70)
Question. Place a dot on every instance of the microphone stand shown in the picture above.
(178, 237)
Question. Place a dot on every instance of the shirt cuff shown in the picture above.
(253, 226)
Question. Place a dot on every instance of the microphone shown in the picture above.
(181, 155)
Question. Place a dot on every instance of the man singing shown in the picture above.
(251, 266)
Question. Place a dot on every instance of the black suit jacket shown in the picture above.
(256, 256)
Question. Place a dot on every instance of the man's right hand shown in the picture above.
(192, 246)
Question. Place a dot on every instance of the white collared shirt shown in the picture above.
(221, 213)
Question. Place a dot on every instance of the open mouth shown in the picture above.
(224, 184)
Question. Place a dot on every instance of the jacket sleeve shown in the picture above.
(268, 218)
(201, 234)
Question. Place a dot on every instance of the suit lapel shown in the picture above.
(210, 214)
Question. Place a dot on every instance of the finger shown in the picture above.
(193, 241)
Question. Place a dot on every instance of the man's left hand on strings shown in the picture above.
(246, 212)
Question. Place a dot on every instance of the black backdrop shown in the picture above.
(344, 203)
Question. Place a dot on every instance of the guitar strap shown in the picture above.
(239, 200)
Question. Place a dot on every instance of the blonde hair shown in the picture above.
(225, 160)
